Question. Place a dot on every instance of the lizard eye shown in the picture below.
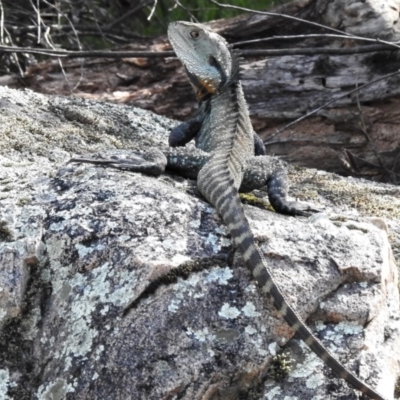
(194, 34)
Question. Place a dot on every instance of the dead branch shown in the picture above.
(391, 174)
(163, 54)
(293, 18)
(325, 105)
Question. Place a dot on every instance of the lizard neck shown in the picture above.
(227, 129)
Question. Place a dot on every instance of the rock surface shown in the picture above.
(116, 285)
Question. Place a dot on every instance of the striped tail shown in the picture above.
(218, 187)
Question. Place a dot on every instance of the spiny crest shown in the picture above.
(236, 69)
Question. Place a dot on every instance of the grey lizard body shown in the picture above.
(228, 159)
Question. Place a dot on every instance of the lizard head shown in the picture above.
(205, 55)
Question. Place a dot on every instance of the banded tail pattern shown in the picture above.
(226, 200)
(218, 182)
(227, 134)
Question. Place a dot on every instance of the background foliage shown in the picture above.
(143, 17)
(97, 24)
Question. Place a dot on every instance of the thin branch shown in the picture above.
(50, 44)
(1, 23)
(315, 51)
(14, 55)
(108, 37)
(85, 54)
(79, 29)
(273, 14)
(152, 10)
(39, 20)
(392, 175)
(306, 36)
(331, 102)
(187, 10)
(157, 54)
(315, 143)
(128, 14)
(350, 159)
(396, 159)
(100, 31)
(70, 22)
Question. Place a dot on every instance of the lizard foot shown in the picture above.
(295, 208)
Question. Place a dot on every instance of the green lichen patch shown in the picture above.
(368, 198)
(23, 201)
(74, 126)
(252, 199)
(280, 366)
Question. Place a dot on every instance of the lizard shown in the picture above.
(229, 157)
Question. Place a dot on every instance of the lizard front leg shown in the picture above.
(259, 149)
(152, 162)
(186, 131)
(266, 171)
(184, 161)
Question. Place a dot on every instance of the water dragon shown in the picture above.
(229, 157)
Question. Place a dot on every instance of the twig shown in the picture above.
(39, 20)
(286, 16)
(273, 14)
(128, 14)
(330, 102)
(305, 36)
(396, 159)
(76, 39)
(14, 54)
(392, 175)
(79, 28)
(85, 54)
(48, 41)
(100, 31)
(315, 51)
(315, 143)
(70, 22)
(152, 10)
(1, 23)
(192, 17)
(156, 54)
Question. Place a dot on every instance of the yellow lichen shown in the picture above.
(250, 198)
(280, 366)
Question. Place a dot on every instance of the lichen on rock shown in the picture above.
(118, 285)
